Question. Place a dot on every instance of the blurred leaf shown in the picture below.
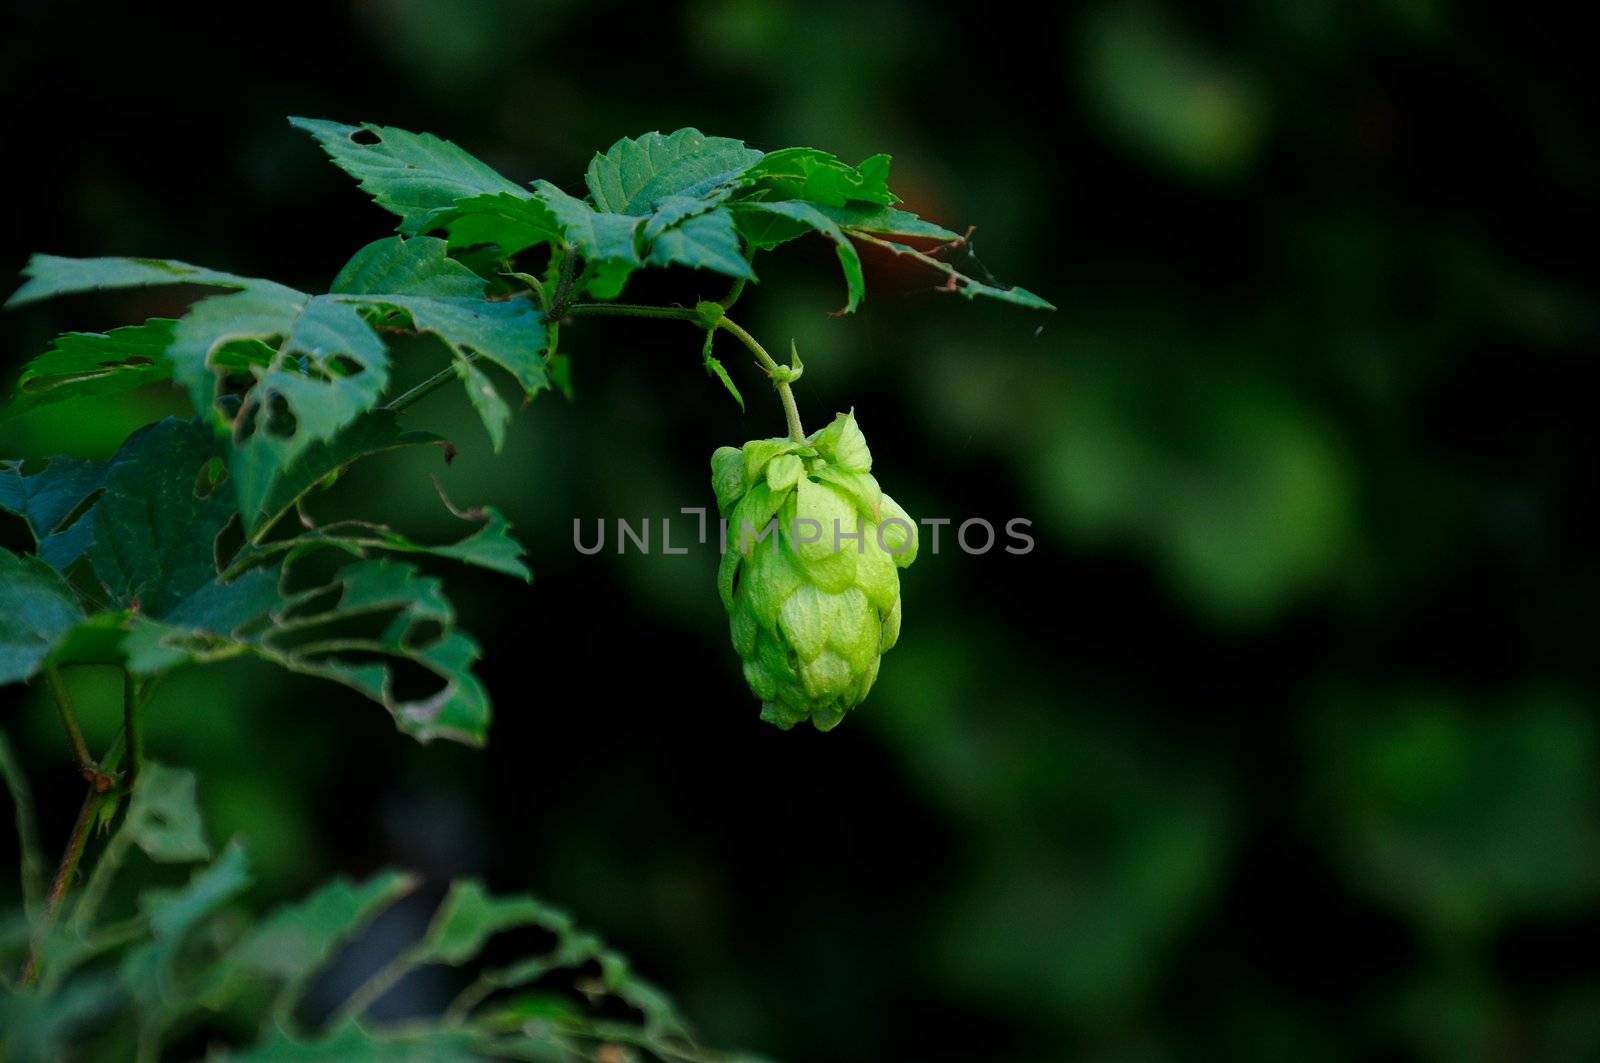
(291, 944)
(150, 971)
(1464, 818)
(163, 816)
(1162, 94)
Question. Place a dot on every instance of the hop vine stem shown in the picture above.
(768, 364)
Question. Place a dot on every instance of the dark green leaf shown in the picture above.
(153, 531)
(413, 175)
(48, 497)
(490, 547)
(36, 609)
(635, 173)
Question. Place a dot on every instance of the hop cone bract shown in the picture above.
(814, 602)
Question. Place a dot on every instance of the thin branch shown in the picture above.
(768, 364)
(33, 887)
(69, 721)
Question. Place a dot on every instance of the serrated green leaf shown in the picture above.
(37, 609)
(636, 172)
(671, 210)
(413, 175)
(607, 241)
(486, 399)
(703, 241)
(513, 223)
(53, 275)
(821, 177)
(443, 297)
(885, 221)
(315, 631)
(770, 224)
(80, 364)
(329, 368)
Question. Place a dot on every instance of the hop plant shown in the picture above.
(810, 573)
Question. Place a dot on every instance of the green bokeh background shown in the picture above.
(1281, 744)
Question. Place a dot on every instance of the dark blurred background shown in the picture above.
(1281, 744)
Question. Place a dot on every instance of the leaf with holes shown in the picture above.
(438, 295)
(355, 629)
(292, 944)
(413, 175)
(82, 364)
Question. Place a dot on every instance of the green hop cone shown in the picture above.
(811, 611)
